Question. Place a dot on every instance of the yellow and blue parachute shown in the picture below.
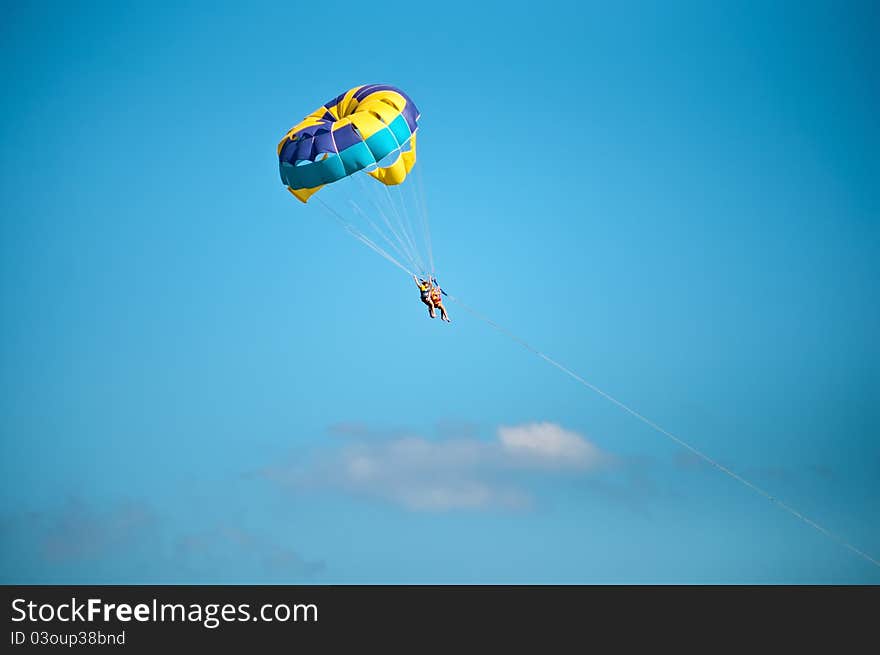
(354, 132)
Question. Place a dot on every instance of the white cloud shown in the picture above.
(549, 444)
(447, 474)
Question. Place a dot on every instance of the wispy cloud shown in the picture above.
(79, 531)
(228, 541)
(60, 540)
(448, 473)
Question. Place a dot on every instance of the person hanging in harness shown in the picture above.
(432, 295)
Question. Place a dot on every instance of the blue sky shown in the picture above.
(205, 381)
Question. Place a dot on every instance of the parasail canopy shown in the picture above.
(370, 128)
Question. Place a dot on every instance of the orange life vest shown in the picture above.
(435, 296)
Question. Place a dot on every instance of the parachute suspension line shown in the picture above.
(388, 214)
(399, 221)
(773, 499)
(410, 198)
(400, 194)
(424, 211)
(372, 193)
(358, 210)
(360, 236)
(403, 227)
(394, 246)
(414, 217)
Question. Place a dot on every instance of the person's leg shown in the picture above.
(431, 309)
(443, 314)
